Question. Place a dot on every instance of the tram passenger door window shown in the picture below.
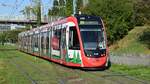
(47, 43)
(50, 46)
(63, 44)
(73, 39)
(56, 39)
(42, 43)
(36, 43)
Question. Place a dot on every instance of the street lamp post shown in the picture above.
(74, 7)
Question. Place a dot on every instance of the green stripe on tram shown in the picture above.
(75, 59)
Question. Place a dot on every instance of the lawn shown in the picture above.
(11, 74)
(45, 72)
(8, 46)
(42, 71)
(141, 72)
(130, 44)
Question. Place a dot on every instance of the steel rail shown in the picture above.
(25, 73)
(40, 70)
(127, 76)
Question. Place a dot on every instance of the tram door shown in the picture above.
(44, 43)
(63, 47)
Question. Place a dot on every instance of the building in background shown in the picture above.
(8, 27)
(5, 27)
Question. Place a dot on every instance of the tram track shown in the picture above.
(41, 70)
(64, 80)
(24, 72)
(107, 75)
(129, 77)
(124, 79)
(79, 72)
(59, 78)
(100, 77)
(64, 69)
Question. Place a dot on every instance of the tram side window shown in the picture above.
(57, 36)
(47, 41)
(25, 40)
(36, 40)
(31, 40)
(42, 40)
(73, 39)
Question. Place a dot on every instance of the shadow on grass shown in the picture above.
(71, 67)
(145, 37)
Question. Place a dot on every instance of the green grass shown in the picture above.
(130, 44)
(141, 72)
(6, 46)
(9, 74)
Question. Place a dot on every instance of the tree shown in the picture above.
(3, 36)
(34, 10)
(144, 37)
(117, 16)
(10, 36)
(27, 11)
(79, 6)
(142, 12)
(69, 7)
(37, 11)
(62, 7)
(54, 11)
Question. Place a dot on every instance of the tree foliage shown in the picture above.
(3, 37)
(10, 36)
(33, 10)
(37, 11)
(61, 8)
(79, 7)
(145, 37)
(142, 12)
(55, 9)
(69, 7)
(117, 16)
(27, 11)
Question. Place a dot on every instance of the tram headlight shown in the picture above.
(103, 54)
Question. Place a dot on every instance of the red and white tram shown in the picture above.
(78, 41)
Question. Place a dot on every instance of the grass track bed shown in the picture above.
(45, 72)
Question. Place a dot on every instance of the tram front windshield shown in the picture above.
(91, 35)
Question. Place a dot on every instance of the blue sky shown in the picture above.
(13, 7)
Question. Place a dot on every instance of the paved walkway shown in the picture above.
(143, 60)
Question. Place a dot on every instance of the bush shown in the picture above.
(145, 37)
